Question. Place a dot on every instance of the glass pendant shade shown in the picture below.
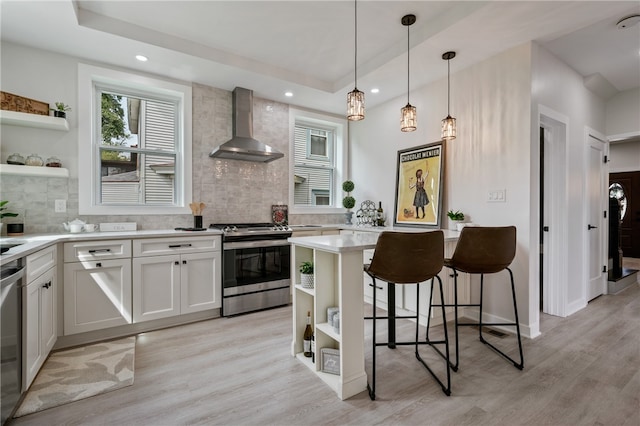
(355, 98)
(408, 119)
(449, 123)
(355, 105)
(448, 128)
(408, 116)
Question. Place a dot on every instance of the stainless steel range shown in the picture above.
(256, 262)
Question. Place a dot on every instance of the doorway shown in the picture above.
(629, 196)
(553, 207)
(596, 207)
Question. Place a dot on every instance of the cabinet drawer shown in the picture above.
(39, 262)
(174, 245)
(97, 250)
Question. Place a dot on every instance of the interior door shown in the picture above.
(597, 194)
(630, 227)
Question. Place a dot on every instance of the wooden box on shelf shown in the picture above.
(11, 102)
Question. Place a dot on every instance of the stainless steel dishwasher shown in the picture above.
(10, 337)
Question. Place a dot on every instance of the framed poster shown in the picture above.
(419, 186)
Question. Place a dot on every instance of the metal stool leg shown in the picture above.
(446, 389)
(455, 313)
(518, 365)
(372, 388)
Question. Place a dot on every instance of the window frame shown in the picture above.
(89, 130)
(339, 126)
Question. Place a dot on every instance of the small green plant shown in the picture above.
(457, 215)
(306, 268)
(61, 106)
(3, 212)
(348, 202)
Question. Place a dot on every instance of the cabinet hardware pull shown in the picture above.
(99, 265)
(590, 227)
(177, 263)
(179, 245)
(100, 250)
(379, 288)
(184, 262)
(46, 285)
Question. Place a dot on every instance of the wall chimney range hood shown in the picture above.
(242, 146)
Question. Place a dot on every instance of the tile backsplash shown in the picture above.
(234, 191)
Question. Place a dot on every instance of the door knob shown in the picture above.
(590, 227)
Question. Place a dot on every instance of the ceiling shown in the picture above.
(307, 47)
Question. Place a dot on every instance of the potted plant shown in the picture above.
(306, 274)
(348, 202)
(60, 110)
(4, 213)
(457, 218)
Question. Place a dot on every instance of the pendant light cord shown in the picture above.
(448, 86)
(355, 57)
(408, 64)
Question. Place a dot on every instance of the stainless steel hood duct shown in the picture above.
(242, 146)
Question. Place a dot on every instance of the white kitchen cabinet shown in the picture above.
(97, 287)
(39, 312)
(156, 293)
(175, 276)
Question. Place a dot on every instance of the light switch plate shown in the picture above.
(497, 196)
(113, 227)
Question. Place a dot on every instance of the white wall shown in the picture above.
(558, 87)
(491, 102)
(625, 157)
(623, 113)
(46, 77)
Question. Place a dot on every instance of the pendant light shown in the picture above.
(408, 113)
(355, 98)
(449, 123)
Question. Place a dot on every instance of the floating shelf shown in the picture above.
(33, 120)
(13, 169)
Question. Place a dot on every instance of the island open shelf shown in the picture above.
(338, 283)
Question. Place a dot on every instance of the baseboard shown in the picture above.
(529, 332)
(131, 329)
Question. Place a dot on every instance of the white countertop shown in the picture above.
(335, 243)
(360, 241)
(33, 243)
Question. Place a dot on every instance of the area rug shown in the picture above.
(79, 373)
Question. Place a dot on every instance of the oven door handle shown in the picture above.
(254, 244)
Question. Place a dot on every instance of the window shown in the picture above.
(318, 153)
(135, 150)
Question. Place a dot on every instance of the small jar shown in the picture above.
(53, 161)
(15, 159)
(34, 160)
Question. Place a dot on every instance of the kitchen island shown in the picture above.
(338, 275)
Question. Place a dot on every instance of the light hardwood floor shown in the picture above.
(583, 370)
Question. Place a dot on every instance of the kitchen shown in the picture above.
(244, 192)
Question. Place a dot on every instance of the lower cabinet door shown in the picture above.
(156, 293)
(97, 295)
(33, 352)
(48, 311)
(200, 289)
(39, 323)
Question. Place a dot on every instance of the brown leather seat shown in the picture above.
(484, 250)
(409, 258)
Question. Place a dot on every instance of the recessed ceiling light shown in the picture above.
(288, 94)
(142, 58)
(375, 90)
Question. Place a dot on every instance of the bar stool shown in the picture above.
(409, 258)
(484, 250)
